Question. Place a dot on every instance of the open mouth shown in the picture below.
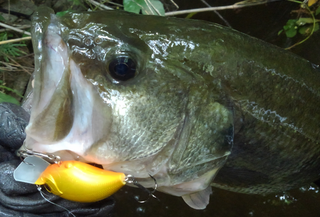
(67, 114)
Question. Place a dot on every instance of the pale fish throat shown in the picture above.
(63, 115)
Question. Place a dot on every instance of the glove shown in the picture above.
(19, 199)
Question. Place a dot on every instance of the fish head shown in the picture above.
(120, 90)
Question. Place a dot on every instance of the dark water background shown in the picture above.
(263, 22)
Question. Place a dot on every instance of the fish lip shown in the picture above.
(58, 78)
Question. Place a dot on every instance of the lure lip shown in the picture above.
(30, 169)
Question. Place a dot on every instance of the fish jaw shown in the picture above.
(68, 115)
(64, 109)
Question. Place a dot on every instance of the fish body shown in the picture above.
(191, 103)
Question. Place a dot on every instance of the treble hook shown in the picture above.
(130, 179)
(49, 157)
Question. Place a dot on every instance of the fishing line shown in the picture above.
(42, 194)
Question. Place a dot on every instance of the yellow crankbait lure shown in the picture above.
(72, 180)
(81, 182)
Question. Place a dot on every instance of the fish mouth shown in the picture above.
(69, 118)
(67, 113)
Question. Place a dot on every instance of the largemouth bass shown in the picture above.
(192, 103)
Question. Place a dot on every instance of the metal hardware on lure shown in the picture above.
(51, 158)
(130, 180)
(73, 180)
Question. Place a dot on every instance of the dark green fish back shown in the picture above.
(276, 96)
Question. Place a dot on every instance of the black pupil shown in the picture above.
(122, 68)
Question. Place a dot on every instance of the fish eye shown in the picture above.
(122, 68)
